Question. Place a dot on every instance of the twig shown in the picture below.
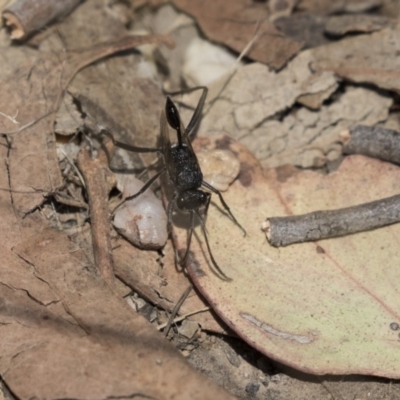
(372, 141)
(182, 317)
(10, 118)
(27, 125)
(25, 17)
(176, 309)
(56, 217)
(94, 172)
(249, 45)
(282, 231)
(70, 201)
(73, 166)
(232, 72)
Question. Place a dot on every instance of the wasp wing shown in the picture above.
(186, 140)
(165, 141)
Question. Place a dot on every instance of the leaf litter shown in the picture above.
(235, 27)
(46, 268)
(294, 115)
(306, 311)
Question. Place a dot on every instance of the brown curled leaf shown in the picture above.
(33, 162)
(235, 24)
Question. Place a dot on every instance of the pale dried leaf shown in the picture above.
(68, 118)
(314, 101)
(365, 59)
(248, 106)
(325, 307)
(307, 138)
(255, 94)
(205, 62)
(183, 30)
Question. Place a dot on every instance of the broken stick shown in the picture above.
(372, 141)
(283, 231)
(97, 179)
(25, 17)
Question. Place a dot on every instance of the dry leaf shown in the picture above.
(235, 24)
(255, 93)
(364, 59)
(64, 334)
(248, 107)
(34, 165)
(342, 6)
(308, 28)
(161, 286)
(183, 30)
(340, 25)
(108, 350)
(205, 62)
(324, 307)
(128, 106)
(307, 138)
(281, 8)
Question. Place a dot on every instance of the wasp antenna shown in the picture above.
(199, 109)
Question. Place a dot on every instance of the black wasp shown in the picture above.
(182, 166)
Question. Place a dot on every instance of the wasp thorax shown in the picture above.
(192, 199)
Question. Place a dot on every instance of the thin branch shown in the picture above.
(318, 225)
(10, 118)
(182, 317)
(94, 172)
(27, 125)
(372, 141)
(73, 166)
(176, 309)
(24, 17)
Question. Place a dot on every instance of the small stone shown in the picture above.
(394, 326)
(232, 357)
(219, 167)
(252, 388)
(188, 328)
